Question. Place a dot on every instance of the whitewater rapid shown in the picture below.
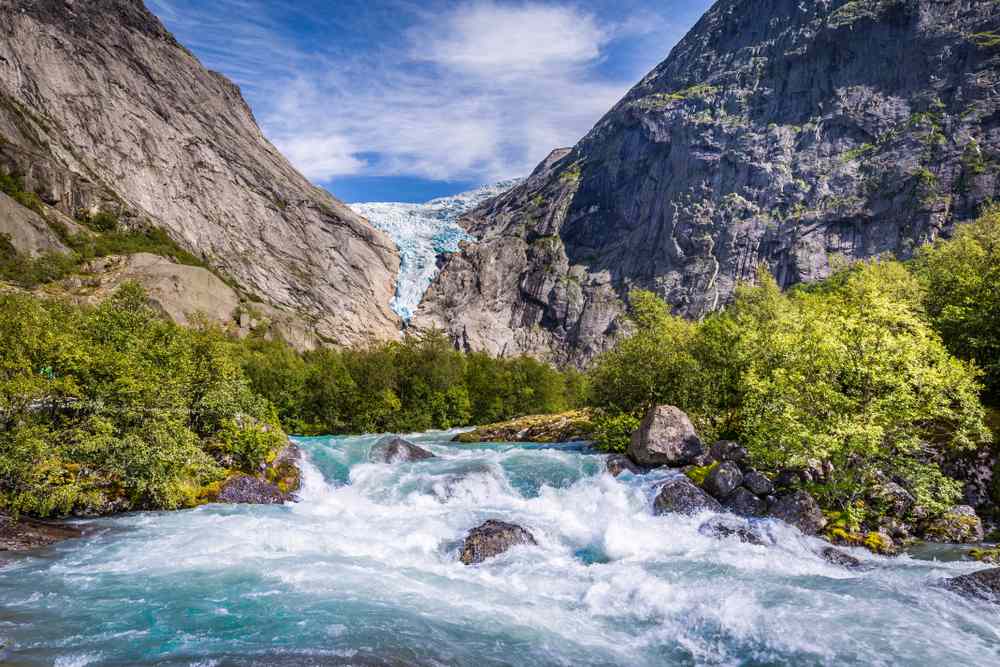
(423, 233)
(363, 571)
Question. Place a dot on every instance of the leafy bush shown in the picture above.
(848, 372)
(114, 408)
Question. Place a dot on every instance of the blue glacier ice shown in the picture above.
(423, 232)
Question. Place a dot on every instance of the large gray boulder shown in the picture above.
(800, 510)
(758, 483)
(681, 496)
(745, 503)
(492, 539)
(666, 437)
(393, 449)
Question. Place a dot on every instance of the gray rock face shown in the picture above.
(800, 510)
(723, 480)
(785, 133)
(26, 230)
(723, 527)
(984, 585)
(247, 490)
(727, 450)
(392, 449)
(492, 539)
(666, 437)
(101, 108)
(680, 496)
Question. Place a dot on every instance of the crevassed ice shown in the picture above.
(423, 232)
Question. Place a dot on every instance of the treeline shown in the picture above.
(418, 384)
(114, 408)
(876, 374)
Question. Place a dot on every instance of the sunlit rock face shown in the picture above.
(786, 134)
(423, 233)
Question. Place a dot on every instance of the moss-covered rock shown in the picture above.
(565, 427)
(959, 525)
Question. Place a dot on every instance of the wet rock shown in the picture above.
(680, 495)
(758, 483)
(666, 437)
(838, 557)
(800, 510)
(745, 503)
(723, 527)
(392, 449)
(727, 450)
(616, 464)
(959, 525)
(247, 490)
(572, 426)
(492, 539)
(983, 585)
(722, 480)
(29, 534)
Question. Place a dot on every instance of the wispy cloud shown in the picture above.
(478, 90)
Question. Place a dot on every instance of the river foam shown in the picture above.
(364, 571)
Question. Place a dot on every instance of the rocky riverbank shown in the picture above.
(565, 427)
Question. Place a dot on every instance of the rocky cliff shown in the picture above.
(102, 109)
(792, 134)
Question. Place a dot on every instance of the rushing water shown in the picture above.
(363, 571)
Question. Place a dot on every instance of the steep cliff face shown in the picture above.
(793, 134)
(100, 107)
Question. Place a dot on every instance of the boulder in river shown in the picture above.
(837, 557)
(722, 480)
(393, 449)
(680, 495)
(758, 483)
(492, 539)
(616, 464)
(745, 503)
(800, 510)
(722, 527)
(984, 585)
(247, 490)
(959, 525)
(666, 437)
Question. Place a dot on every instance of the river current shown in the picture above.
(364, 571)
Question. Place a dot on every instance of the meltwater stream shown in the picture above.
(363, 571)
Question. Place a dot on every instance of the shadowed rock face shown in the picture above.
(492, 539)
(984, 585)
(778, 132)
(100, 107)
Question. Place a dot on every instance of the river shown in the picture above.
(363, 571)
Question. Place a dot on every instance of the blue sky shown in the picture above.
(406, 100)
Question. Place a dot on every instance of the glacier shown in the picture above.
(424, 232)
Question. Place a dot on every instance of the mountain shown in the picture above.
(797, 135)
(424, 233)
(102, 109)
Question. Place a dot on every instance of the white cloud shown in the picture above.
(481, 90)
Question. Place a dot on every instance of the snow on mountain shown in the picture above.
(423, 232)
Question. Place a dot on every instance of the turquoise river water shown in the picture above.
(363, 571)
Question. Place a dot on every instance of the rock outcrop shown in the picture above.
(785, 133)
(492, 539)
(666, 437)
(983, 585)
(392, 449)
(249, 490)
(570, 426)
(26, 231)
(101, 109)
(959, 525)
